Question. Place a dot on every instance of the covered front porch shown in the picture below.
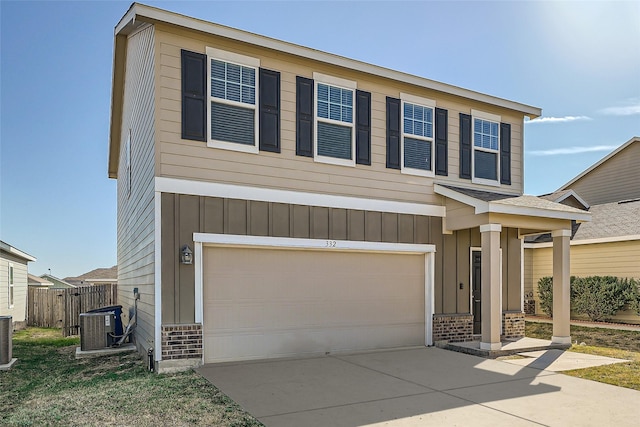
(530, 215)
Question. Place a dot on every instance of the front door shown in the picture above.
(476, 283)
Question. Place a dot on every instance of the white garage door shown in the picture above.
(260, 303)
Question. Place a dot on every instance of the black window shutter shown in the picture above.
(465, 146)
(304, 116)
(393, 133)
(505, 153)
(269, 117)
(363, 128)
(442, 131)
(194, 106)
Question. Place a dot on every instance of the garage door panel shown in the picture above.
(271, 302)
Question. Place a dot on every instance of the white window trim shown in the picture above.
(476, 114)
(343, 84)
(246, 61)
(11, 285)
(422, 102)
(128, 162)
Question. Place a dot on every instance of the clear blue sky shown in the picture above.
(578, 61)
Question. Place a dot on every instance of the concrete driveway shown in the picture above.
(418, 387)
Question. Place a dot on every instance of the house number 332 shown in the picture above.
(331, 244)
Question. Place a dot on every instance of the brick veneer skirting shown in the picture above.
(513, 324)
(452, 327)
(182, 341)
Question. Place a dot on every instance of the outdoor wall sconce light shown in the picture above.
(186, 255)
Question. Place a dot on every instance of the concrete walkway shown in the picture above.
(418, 387)
(588, 324)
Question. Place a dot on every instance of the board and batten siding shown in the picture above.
(183, 215)
(618, 178)
(19, 309)
(136, 211)
(193, 160)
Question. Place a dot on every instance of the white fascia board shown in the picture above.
(214, 189)
(143, 11)
(612, 239)
(17, 252)
(311, 244)
(538, 212)
(576, 196)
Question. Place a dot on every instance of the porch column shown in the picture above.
(561, 289)
(490, 294)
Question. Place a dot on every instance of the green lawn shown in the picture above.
(48, 386)
(604, 342)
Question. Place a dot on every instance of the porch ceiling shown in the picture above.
(468, 208)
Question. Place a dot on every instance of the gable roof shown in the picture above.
(37, 281)
(140, 14)
(98, 274)
(486, 201)
(562, 195)
(16, 252)
(57, 283)
(633, 140)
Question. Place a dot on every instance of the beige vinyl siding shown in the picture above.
(187, 159)
(616, 179)
(19, 309)
(619, 259)
(136, 214)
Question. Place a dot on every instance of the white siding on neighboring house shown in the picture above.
(19, 309)
(136, 213)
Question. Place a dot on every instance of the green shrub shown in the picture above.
(600, 297)
(545, 292)
(633, 295)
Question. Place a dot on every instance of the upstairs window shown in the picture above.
(417, 135)
(233, 101)
(486, 148)
(334, 108)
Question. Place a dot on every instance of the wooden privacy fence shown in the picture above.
(61, 308)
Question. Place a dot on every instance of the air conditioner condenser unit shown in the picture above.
(95, 330)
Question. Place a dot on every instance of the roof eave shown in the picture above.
(599, 162)
(151, 14)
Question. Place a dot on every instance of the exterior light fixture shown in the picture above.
(186, 255)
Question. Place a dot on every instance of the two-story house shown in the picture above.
(275, 200)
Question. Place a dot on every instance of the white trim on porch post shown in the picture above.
(561, 287)
(491, 290)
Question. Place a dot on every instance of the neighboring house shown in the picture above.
(275, 200)
(56, 282)
(99, 276)
(38, 282)
(13, 283)
(609, 245)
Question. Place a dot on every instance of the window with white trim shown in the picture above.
(127, 153)
(334, 120)
(11, 300)
(233, 100)
(486, 148)
(418, 121)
